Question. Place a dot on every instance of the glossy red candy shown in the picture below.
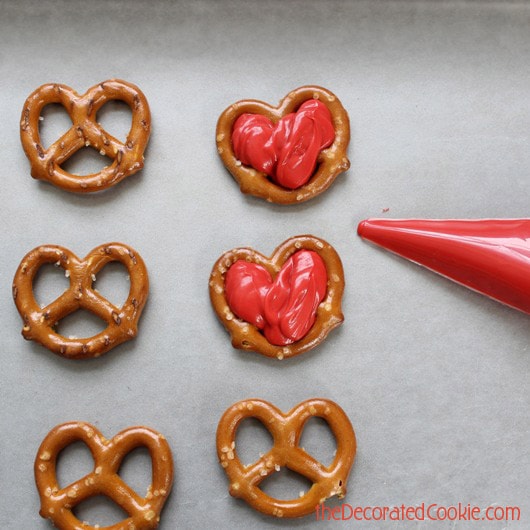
(491, 256)
(283, 308)
(286, 151)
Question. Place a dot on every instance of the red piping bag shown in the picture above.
(490, 256)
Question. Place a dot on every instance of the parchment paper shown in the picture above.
(433, 377)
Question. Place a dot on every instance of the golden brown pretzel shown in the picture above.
(57, 503)
(286, 430)
(85, 131)
(331, 161)
(121, 322)
(245, 335)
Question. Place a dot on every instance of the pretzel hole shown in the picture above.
(80, 324)
(54, 124)
(252, 441)
(285, 485)
(86, 161)
(50, 283)
(73, 462)
(318, 440)
(100, 510)
(136, 470)
(115, 117)
(113, 283)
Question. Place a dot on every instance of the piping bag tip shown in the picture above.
(490, 256)
(361, 227)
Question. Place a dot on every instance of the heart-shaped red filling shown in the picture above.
(284, 309)
(288, 151)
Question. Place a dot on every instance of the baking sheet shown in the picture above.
(433, 377)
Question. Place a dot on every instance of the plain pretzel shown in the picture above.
(286, 430)
(331, 162)
(39, 323)
(57, 503)
(245, 336)
(127, 158)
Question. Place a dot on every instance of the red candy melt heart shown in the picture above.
(283, 308)
(287, 151)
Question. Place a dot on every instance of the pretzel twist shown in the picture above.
(286, 431)
(57, 503)
(39, 323)
(85, 131)
(329, 313)
(331, 162)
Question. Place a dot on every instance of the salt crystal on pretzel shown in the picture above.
(127, 158)
(286, 431)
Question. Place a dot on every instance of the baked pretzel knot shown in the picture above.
(57, 503)
(127, 158)
(330, 162)
(286, 430)
(39, 323)
(328, 312)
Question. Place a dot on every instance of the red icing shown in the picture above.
(287, 151)
(283, 308)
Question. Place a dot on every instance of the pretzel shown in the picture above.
(127, 157)
(286, 430)
(331, 161)
(247, 336)
(57, 503)
(121, 322)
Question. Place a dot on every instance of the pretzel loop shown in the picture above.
(85, 131)
(121, 322)
(286, 431)
(57, 503)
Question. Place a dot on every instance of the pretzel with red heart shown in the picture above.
(127, 158)
(289, 153)
(57, 503)
(286, 430)
(121, 322)
(283, 305)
